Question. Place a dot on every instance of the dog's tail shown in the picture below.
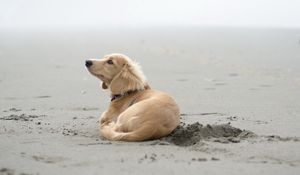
(142, 133)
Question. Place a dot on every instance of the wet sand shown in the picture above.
(238, 90)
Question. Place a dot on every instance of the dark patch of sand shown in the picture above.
(12, 110)
(148, 158)
(201, 114)
(43, 96)
(283, 139)
(187, 135)
(48, 159)
(21, 117)
(69, 132)
(7, 171)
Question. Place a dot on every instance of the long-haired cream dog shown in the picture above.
(136, 112)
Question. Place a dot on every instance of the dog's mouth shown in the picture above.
(101, 77)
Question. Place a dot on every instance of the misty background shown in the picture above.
(77, 14)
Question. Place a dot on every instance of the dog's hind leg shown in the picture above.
(111, 132)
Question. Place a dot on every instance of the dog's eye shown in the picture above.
(109, 62)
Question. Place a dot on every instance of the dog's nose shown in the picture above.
(88, 63)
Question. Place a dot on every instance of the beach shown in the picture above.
(240, 86)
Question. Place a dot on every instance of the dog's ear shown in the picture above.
(130, 78)
(104, 85)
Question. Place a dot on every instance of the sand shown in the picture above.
(238, 90)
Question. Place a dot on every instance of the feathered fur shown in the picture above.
(142, 115)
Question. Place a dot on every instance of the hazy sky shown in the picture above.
(135, 13)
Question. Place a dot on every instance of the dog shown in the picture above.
(136, 112)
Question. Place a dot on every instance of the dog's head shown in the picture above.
(118, 73)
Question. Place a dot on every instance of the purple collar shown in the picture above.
(115, 96)
(118, 96)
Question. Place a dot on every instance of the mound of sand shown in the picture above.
(187, 135)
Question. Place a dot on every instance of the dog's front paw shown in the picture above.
(107, 124)
(103, 118)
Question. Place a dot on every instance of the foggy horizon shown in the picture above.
(31, 14)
